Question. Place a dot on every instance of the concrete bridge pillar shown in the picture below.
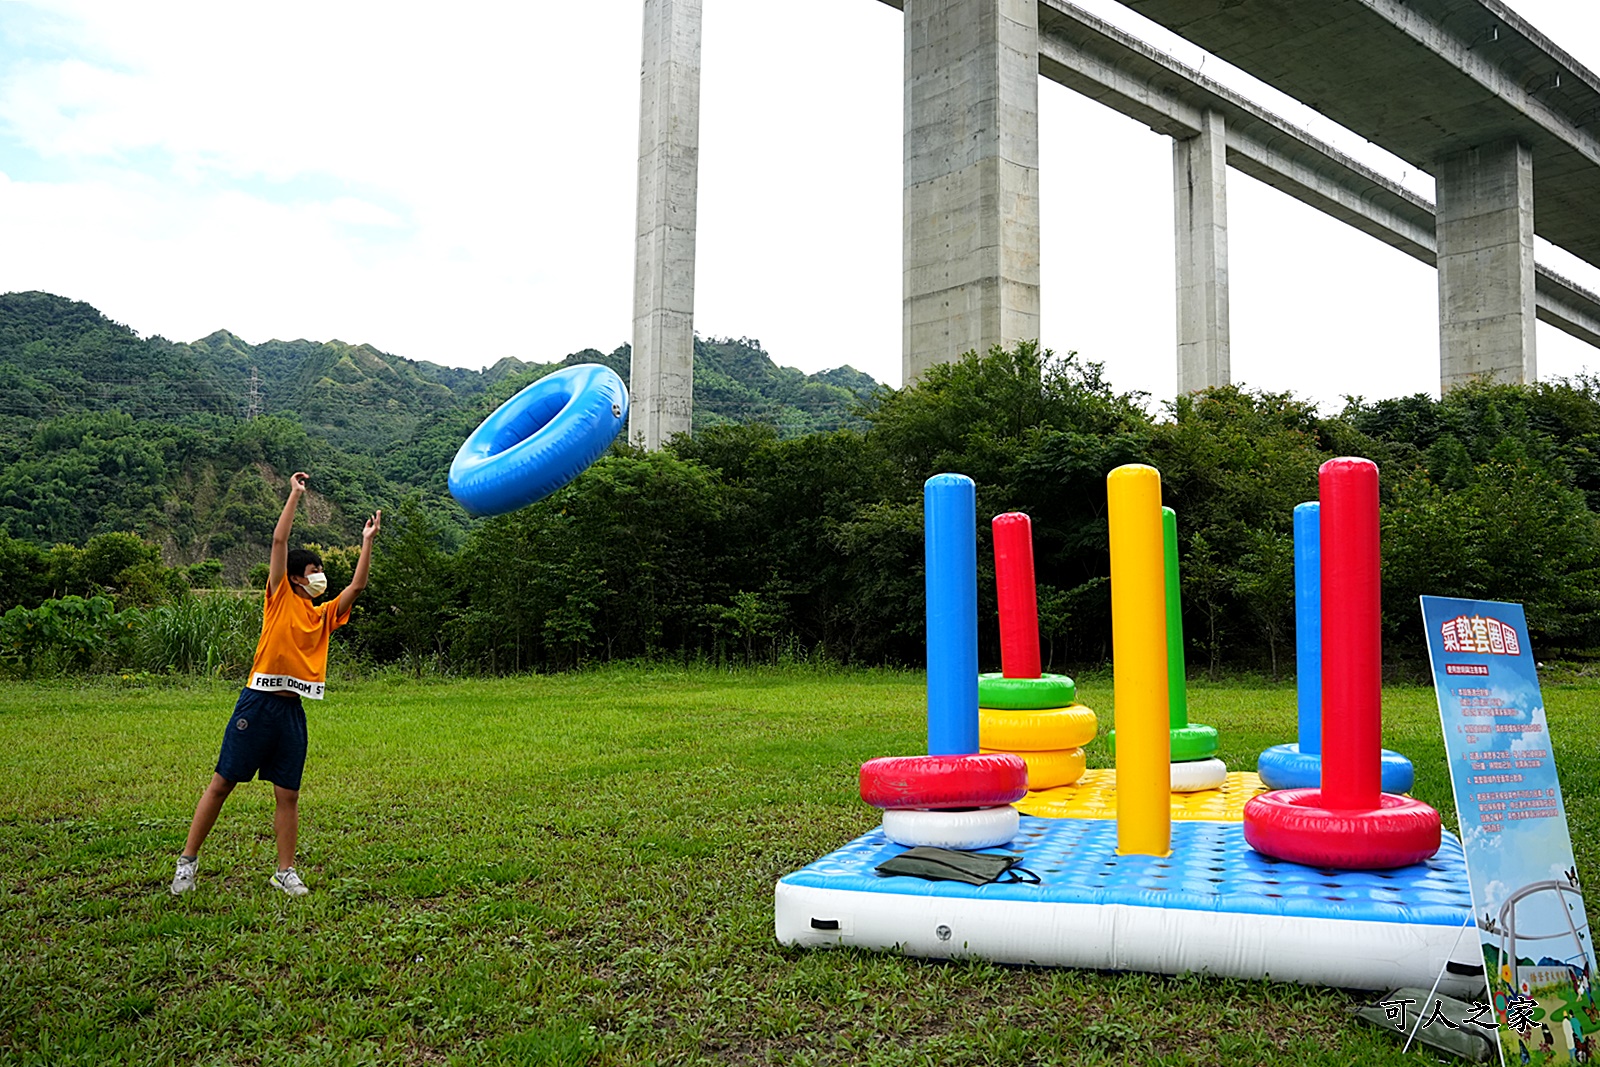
(1484, 235)
(661, 390)
(1200, 195)
(971, 178)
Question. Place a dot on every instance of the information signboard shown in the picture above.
(1537, 950)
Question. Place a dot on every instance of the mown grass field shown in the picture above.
(571, 870)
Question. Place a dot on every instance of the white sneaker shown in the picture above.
(289, 882)
(183, 881)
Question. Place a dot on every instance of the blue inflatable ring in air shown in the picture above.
(539, 440)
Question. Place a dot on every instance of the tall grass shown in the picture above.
(214, 635)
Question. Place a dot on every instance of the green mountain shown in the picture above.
(736, 381)
(187, 444)
(59, 357)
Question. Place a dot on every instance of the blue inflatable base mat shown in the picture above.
(1211, 868)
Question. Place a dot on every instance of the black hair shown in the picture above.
(300, 559)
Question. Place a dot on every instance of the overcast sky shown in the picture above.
(456, 183)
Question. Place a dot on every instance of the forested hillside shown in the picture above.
(750, 539)
(187, 444)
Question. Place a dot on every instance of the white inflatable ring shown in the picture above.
(978, 828)
(1191, 776)
(1044, 730)
(1046, 770)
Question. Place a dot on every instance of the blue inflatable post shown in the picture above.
(1308, 622)
(1298, 765)
(950, 544)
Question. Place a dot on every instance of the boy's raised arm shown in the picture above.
(278, 561)
(358, 580)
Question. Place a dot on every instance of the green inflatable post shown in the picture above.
(1189, 742)
(1177, 683)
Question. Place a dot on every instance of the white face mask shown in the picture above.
(316, 584)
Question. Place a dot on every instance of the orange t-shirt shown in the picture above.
(292, 654)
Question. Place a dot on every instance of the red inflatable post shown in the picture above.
(1019, 600)
(1349, 823)
(1351, 642)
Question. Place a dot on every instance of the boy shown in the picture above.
(267, 732)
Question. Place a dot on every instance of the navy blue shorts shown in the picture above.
(266, 734)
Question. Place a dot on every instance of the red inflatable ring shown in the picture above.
(1292, 824)
(977, 781)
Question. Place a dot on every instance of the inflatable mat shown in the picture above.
(1214, 906)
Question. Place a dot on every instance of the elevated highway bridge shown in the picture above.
(1465, 90)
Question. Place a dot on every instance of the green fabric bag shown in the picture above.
(954, 865)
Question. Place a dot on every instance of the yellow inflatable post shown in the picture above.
(1139, 661)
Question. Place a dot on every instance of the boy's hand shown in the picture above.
(297, 482)
(374, 524)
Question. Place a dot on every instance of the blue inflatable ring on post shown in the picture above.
(1286, 767)
(539, 440)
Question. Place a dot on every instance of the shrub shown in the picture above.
(207, 574)
(148, 584)
(69, 634)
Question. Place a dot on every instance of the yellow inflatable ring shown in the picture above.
(1047, 730)
(1046, 770)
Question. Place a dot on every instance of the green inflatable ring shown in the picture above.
(1190, 742)
(1025, 694)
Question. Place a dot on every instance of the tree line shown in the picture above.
(739, 544)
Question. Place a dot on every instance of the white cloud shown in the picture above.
(349, 210)
(1523, 742)
(440, 181)
(1476, 840)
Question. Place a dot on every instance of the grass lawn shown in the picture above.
(571, 870)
